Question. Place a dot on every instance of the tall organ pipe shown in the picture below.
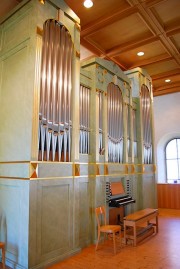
(84, 119)
(115, 124)
(146, 118)
(55, 92)
(134, 131)
(100, 99)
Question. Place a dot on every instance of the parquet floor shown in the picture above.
(161, 251)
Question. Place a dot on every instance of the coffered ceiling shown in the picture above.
(118, 29)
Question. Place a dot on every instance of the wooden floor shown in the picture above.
(158, 252)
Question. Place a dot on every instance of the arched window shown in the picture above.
(173, 160)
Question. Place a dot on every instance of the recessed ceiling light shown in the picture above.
(42, 1)
(167, 80)
(88, 3)
(141, 53)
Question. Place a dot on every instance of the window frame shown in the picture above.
(172, 181)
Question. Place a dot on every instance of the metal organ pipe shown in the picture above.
(55, 92)
(128, 128)
(84, 119)
(100, 97)
(115, 124)
(146, 117)
(134, 131)
(88, 121)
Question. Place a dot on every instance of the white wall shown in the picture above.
(167, 126)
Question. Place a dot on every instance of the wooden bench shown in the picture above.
(137, 226)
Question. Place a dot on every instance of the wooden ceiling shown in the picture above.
(117, 29)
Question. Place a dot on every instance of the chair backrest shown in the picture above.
(100, 215)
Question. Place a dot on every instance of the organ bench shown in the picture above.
(137, 226)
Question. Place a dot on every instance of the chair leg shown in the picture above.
(114, 242)
(120, 239)
(98, 240)
(105, 236)
(3, 257)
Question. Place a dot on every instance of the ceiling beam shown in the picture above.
(164, 75)
(130, 46)
(165, 91)
(92, 47)
(173, 28)
(152, 60)
(106, 20)
(152, 3)
(169, 85)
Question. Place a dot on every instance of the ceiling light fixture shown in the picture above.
(167, 80)
(42, 1)
(88, 3)
(141, 53)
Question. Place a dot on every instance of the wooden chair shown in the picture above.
(114, 230)
(2, 247)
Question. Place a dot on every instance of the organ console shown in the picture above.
(117, 196)
(117, 199)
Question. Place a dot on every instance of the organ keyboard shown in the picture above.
(121, 201)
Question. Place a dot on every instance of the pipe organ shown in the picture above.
(100, 103)
(84, 104)
(55, 93)
(74, 129)
(115, 123)
(134, 123)
(128, 113)
(146, 123)
(144, 114)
